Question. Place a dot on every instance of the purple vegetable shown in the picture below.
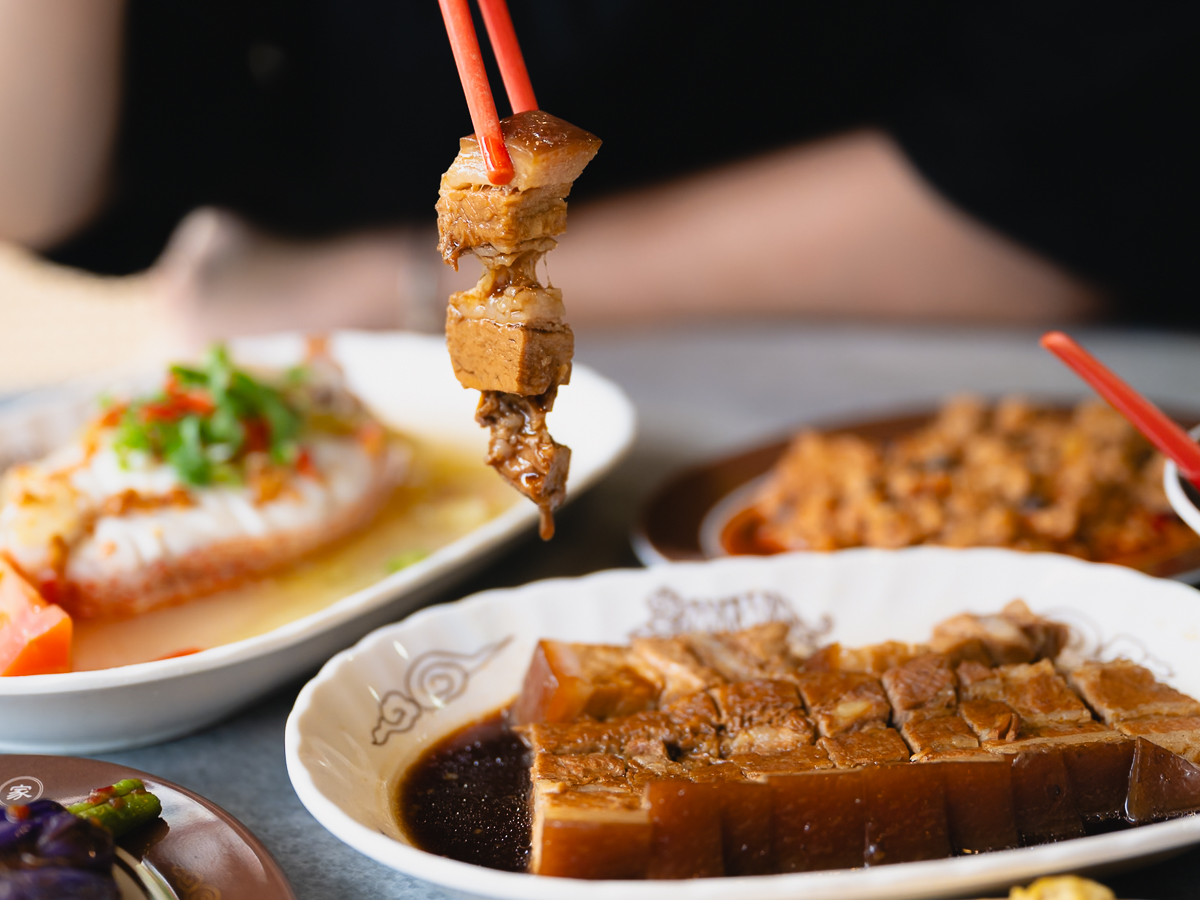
(46, 853)
(67, 840)
(13, 834)
(53, 883)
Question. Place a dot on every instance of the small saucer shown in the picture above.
(197, 850)
(1184, 497)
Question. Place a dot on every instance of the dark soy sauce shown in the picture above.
(467, 797)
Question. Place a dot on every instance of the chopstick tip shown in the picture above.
(1053, 340)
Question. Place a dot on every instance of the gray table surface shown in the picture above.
(699, 391)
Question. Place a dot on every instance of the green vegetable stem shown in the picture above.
(119, 808)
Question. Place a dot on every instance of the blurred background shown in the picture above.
(175, 172)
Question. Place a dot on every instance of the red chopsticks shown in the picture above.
(1164, 434)
(508, 55)
(465, 44)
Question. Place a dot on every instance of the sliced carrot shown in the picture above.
(35, 636)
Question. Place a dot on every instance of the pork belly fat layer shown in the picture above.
(1161, 784)
(544, 149)
(818, 821)
(590, 834)
(979, 804)
(1123, 690)
(1042, 797)
(686, 820)
(565, 681)
(510, 292)
(1099, 773)
(905, 815)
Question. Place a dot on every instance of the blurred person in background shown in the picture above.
(274, 163)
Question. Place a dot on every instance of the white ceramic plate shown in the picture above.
(373, 709)
(408, 381)
(1173, 485)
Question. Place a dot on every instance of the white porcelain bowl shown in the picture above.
(374, 708)
(1180, 501)
(407, 379)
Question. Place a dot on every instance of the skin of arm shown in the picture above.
(59, 88)
(843, 227)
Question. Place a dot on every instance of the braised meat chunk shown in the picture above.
(1010, 474)
(702, 755)
(506, 336)
(521, 449)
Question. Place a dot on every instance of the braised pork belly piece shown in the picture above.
(870, 746)
(1036, 692)
(990, 720)
(702, 755)
(506, 336)
(923, 688)
(1122, 690)
(939, 737)
(844, 701)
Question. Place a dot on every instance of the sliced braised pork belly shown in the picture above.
(728, 756)
(506, 336)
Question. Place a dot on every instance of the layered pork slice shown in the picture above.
(923, 694)
(1129, 698)
(506, 336)
(844, 701)
(709, 754)
(1014, 635)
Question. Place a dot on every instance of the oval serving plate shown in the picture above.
(196, 852)
(407, 380)
(691, 516)
(374, 708)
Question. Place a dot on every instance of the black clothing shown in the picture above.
(1062, 125)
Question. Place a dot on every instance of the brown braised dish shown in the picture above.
(1013, 474)
(728, 754)
(506, 336)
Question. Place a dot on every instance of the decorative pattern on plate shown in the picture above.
(434, 679)
(21, 789)
(1087, 640)
(671, 614)
(193, 885)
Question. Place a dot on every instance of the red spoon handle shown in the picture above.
(1163, 433)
